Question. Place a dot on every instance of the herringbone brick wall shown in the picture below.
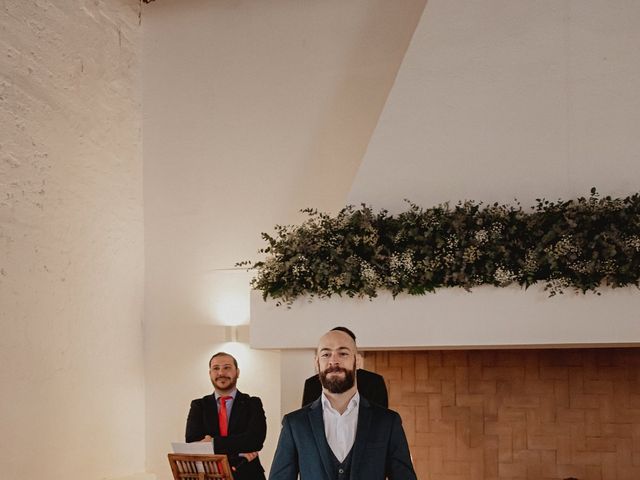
(517, 414)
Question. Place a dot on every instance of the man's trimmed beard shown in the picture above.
(337, 384)
(232, 383)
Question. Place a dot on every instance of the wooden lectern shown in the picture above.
(199, 467)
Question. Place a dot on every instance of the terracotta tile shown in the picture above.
(505, 448)
(469, 400)
(584, 401)
(599, 386)
(600, 444)
(422, 418)
(434, 358)
(593, 472)
(457, 468)
(502, 373)
(491, 463)
(442, 373)
(421, 366)
(428, 386)
(512, 470)
(569, 415)
(462, 379)
(448, 393)
(538, 414)
(564, 471)
(554, 373)
(542, 442)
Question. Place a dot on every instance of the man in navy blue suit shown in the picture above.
(341, 436)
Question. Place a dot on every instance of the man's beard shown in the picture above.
(230, 386)
(337, 384)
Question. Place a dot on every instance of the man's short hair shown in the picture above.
(224, 354)
(345, 330)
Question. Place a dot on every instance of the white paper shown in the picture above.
(201, 448)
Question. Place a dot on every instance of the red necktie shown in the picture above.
(222, 416)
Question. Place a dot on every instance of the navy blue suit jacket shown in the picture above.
(380, 449)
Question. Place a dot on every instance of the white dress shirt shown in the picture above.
(340, 430)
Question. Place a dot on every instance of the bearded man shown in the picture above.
(232, 420)
(341, 436)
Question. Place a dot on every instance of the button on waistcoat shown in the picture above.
(341, 470)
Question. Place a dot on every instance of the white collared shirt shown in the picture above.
(340, 430)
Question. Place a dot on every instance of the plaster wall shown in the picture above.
(252, 110)
(501, 100)
(71, 240)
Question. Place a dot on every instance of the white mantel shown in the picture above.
(488, 317)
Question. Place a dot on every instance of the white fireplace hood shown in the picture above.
(488, 317)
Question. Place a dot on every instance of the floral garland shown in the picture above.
(578, 244)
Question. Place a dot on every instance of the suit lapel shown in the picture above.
(362, 433)
(317, 427)
(237, 410)
(211, 415)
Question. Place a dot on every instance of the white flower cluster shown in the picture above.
(430, 264)
(447, 258)
(482, 236)
(401, 265)
(339, 281)
(530, 262)
(563, 247)
(557, 285)
(609, 266)
(496, 230)
(370, 239)
(369, 274)
(634, 242)
(582, 266)
(300, 268)
(471, 254)
(504, 276)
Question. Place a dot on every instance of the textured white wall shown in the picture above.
(252, 110)
(71, 240)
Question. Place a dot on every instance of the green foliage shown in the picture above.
(579, 245)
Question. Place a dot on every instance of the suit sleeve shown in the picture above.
(195, 427)
(252, 439)
(285, 461)
(399, 465)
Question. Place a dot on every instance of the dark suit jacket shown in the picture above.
(247, 431)
(380, 449)
(370, 385)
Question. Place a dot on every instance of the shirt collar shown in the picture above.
(353, 403)
(232, 394)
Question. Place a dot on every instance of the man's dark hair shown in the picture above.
(345, 330)
(224, 354)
